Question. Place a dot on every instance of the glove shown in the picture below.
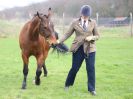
(89, 38)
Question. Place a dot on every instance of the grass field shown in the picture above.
(114, 71)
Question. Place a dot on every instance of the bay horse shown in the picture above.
(35, 39)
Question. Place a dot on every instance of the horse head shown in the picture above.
(46, 27)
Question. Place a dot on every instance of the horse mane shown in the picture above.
(45, 15)
(36, 14)
(34, 27)
(41, 14)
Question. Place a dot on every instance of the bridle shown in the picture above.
(47, 38)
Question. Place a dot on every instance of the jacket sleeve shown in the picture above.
(96, 34)
(67, 34)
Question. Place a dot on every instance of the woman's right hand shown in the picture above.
(58, 42)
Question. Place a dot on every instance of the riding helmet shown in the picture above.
(86, 10)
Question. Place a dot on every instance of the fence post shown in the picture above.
(97, 18)
(63, 16)
(131, 24)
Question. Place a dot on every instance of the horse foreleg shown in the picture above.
(40, 59)
(25, 70)
(44, 66)
(45, 70)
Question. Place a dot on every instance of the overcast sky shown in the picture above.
(15, 3)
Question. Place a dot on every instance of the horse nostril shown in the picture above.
(45, 27)
(53, 45)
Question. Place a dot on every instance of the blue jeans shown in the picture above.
(77, 60)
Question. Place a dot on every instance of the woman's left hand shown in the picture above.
(89, 38)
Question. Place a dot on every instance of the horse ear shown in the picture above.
(38, 14)
(49, 12)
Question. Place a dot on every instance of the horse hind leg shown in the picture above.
(25, 70)
(45, 70)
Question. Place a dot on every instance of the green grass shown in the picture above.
(114, 71)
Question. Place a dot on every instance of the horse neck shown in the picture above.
(34, 29)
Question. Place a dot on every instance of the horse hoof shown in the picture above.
(45, 75)
(37, 82)
(23, 86)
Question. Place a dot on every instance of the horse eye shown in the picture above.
(45, 27)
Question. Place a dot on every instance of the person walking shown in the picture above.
(83, 47)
